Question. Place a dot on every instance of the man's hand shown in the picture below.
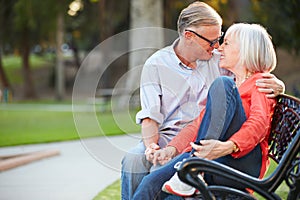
(270, 85)
(150, 150)
(163, 156)
(212, 149)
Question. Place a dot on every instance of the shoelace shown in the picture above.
(177, 165)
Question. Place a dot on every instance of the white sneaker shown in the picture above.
(177, 187)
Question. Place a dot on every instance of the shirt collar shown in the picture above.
(178, 60)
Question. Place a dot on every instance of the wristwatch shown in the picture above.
(235, 148)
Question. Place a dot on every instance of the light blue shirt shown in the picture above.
(173, 94)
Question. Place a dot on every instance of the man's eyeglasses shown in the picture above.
(211, 42)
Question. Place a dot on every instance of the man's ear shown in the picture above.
(188, 35)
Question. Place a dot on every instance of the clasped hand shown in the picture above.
(209, 149)
(150, 150)
(156, 156)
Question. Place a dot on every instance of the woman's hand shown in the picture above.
(164, 155)
(212, 149)
(270, 85)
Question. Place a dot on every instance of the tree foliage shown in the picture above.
(282, 18)
(38, 17)
(26, 23)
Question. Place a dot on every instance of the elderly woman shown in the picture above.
(235, 125)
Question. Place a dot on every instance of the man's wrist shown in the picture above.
(150, 144)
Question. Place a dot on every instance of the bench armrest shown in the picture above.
(190, 168)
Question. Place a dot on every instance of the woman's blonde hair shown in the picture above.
(257, 52)
(197, 14)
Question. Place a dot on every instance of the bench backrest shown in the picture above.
(285, 126)
(284, 145)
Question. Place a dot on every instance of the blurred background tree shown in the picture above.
(282, 18)
(30, 27)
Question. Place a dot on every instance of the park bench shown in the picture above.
(103, 97)
(284, 146)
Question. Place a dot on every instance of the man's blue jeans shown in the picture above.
(224, 115)
(135, 167)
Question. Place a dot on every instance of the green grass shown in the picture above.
(282, 190)
(112, 192)
(13, 65)
(38, 126)
(15, 62)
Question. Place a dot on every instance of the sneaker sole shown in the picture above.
(185, 194)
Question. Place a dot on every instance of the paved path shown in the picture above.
(80, 172)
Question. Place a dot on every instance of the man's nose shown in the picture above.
(217, 45)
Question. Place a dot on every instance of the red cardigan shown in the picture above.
(255, 130)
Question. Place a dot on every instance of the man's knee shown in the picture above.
(135, 163)
(132, 158)
(135, 154)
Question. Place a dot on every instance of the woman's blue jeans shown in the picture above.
(223, 117)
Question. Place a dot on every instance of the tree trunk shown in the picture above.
(77, 60)
(29, 91)
(142, 42)
(4, 80)
(168, 23)
(59, 75)
(105, 32)
(6, 92)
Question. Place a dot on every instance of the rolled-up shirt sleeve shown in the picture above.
(150, 95)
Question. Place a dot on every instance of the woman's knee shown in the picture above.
(223, 81)
(222, 85)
